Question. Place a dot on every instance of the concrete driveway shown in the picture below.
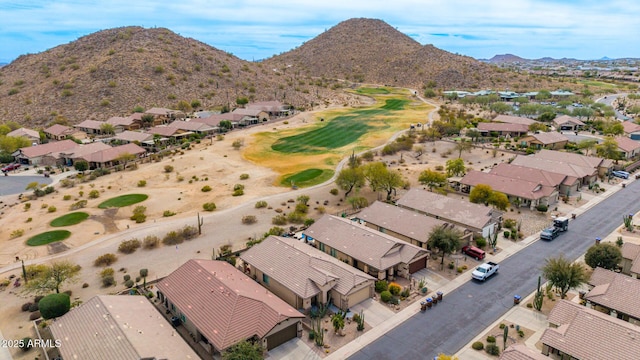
(15, 184)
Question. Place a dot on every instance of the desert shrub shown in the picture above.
(51, 209)
(296, 217)
(321, 209)
(94, 194)
(521, 333)
(301, 208)
(150, 242)
(368, 156)
(54, 305)
(105, 260)
(308, 222)
(206, 188)
(128, 283)
(279, 220)
(168, 168)
(405, 292)
(108, 281)
(249, 219)
(381, 285)
(129, 246)
(491, 339)
(507, 234)
(244, 176)
(107, 272)
(395, 289)
(142, 183)
(78, 205)
(334, 191)
(127, 277)
(386, 296)
(168, 213)
(492, 349)
(26, 306)
(66, 197)
(172, 238)
(34, 306)
(138, 214)
(16, 233)
(144, 272)
(439, 168)
(478, 345)
(67, 183)
(238, 190)
(261, 204)
(481, 242)
(35, 315)
(85, 285)
(209, 206)
(189, 232)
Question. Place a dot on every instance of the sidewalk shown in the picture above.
(536, 322)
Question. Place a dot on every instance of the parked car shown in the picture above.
(621, 174)
(485, 270)
(10, 167)
(550, 233)
(474, 252)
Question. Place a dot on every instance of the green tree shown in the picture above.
(480, 194)
(499, 200)
(9, 144)
(244, 350)
(52, 277)
(195, 104)
(81, 166)
(604, 255)
(147, 120)
(463, 145)
(226, 125)
(183, 106)
(474, 134)
(107, 129)
(446, 240)
(4, 129)
(587, 145)
(500, 107)
(563, 274)
(242, 101)
(543, 95)
(609, 149)
(538, 127)
(613, 128)
(350, 178)
(432, 178)
(547, 116)
(124, 158)
(54, 305)
(455, 167)
(380, 178)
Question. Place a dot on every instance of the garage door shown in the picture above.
(359, 296)
(417, 265)
(282, 336)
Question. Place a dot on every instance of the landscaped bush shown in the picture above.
(34, 306)
(105, 260)
(127, 277)
(491, 339)
(108, 280)
(542, 208)
(249, 219)
(481, 242)
(507, 234)
(209, 206)
(26, 343)
(381, 285)
(492, 349)
(26, 306)
(261, 204)
(172, 238)
(206, 188)
(35, 315)
(128, 283)
(386, 296)
(54, 305)
(308, 222)
(150, 242)
(94, 194)
(129, 246)
(279, 220)
(395, 289)
(478, 345)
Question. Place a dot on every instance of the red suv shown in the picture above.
(474, 252)
(10, 167)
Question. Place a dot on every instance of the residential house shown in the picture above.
(111, 156)
(629, 149)
(566, 185)
(272, 108)
(193, 126)
(220, 306)
(142, 138)
(90, 127)
(614, 294)
(31, 135)
(568, 123)
(375, 253)
(125, 123)
(630, 263)
(404, 224)
(545, 140)
(576, 332)
(215, 119)
(478, 218)
(602, 166)
(502, 129)
(521, 352)
(115, 327)
(585, 168)
(61, 132)
(82, 152)
(508, 119)
(33, 155)
(250, 116)
(163, 116)
(519, 191)
(630, 128)
(172, 133)
(304, 276)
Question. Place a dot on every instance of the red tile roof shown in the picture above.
(58, 130)
(90, 124)
(548, 138)
(521, 352)
(225, 305)
(567, 119)
(48, 148)
(626, 144)
(521, 128)
(620, 292)
(509, 186)
(514, 120)
(112, 153)
(545, 177)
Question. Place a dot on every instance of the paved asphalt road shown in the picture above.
(474, 306)
(15, 184)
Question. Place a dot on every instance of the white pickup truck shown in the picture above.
(485, 270)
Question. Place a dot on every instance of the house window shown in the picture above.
(265, 279)
(321, 246)
(333, 252)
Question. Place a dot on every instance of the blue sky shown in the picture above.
(256, 29)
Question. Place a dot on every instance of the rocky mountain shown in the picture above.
(110, 72)
(505, 58)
